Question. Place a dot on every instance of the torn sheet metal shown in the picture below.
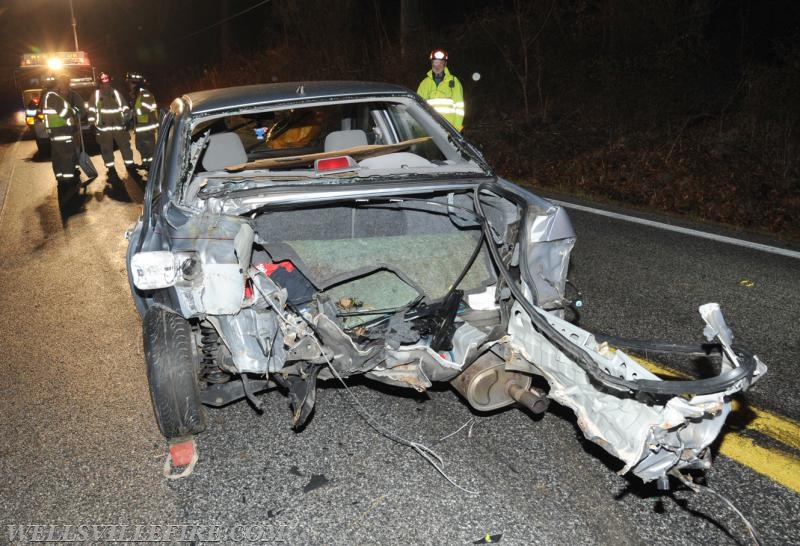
(650, 439)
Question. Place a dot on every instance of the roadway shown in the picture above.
(79, 446)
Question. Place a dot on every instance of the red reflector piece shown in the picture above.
(269, 268)
(333, 163)
(182, 453)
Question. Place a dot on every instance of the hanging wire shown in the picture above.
(433, 458)
(697, 488)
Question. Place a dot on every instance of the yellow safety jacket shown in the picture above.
(145, 111)
(447, 98)
(108, 111)
(57, 111)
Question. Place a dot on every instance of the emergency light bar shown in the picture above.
(48, 59)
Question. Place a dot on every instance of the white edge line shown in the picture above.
(685, 231)
(11, 152)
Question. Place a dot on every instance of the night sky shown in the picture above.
(153, 36)
(122, 35)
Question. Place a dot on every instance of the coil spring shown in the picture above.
(209, 340)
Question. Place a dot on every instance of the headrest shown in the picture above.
(224, 150)
(341, 140)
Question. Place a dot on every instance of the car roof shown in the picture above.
(205, 102)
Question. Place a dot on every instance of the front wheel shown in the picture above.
(172, 374)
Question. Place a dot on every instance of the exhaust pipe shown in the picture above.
(532, 398)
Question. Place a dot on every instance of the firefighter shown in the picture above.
(59, 120)
(145, 117)
(109, 113)
(78, 108)
(31, 109)
(442, 90)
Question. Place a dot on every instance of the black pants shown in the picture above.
(146, 145)
(63, 154)
(106, 140)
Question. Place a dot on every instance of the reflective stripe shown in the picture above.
(144, 128)
(443, 102)
(129, 161)
(445, 109)
(52, 117)
(110, 164)
(63, 138)
(67, 175)
(149, 106)
(99, 119)
(64, 110)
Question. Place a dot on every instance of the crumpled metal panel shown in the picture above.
(650, 439)
(550, 239)
(253, 338)
(222, 246)
(253, 335)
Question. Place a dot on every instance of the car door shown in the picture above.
(142, 235)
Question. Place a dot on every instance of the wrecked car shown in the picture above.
(300, 232)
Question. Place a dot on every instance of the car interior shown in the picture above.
(361, 128)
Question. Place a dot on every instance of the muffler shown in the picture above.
(488, 386)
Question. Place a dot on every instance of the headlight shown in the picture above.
(151, 270)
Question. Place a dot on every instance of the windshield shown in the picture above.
(293, 138)
(385, 139)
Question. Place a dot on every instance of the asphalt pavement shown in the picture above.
(79, 446)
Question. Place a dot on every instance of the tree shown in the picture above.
(514, 33)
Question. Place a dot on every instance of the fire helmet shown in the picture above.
(438, 55)
(134, 77)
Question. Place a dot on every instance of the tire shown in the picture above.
(172, 374)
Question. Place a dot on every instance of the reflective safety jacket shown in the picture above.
(57, 112)
(31, 111)
(145, 111)
(108, 111)
(447, 98)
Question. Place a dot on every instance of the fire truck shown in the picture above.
(29, 81)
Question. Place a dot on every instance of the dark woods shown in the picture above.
(679, 105)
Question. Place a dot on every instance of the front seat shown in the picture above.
(224, 150)
(341, 140)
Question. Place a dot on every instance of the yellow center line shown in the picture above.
(775, 464)
(778, 465)
(783, 429)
